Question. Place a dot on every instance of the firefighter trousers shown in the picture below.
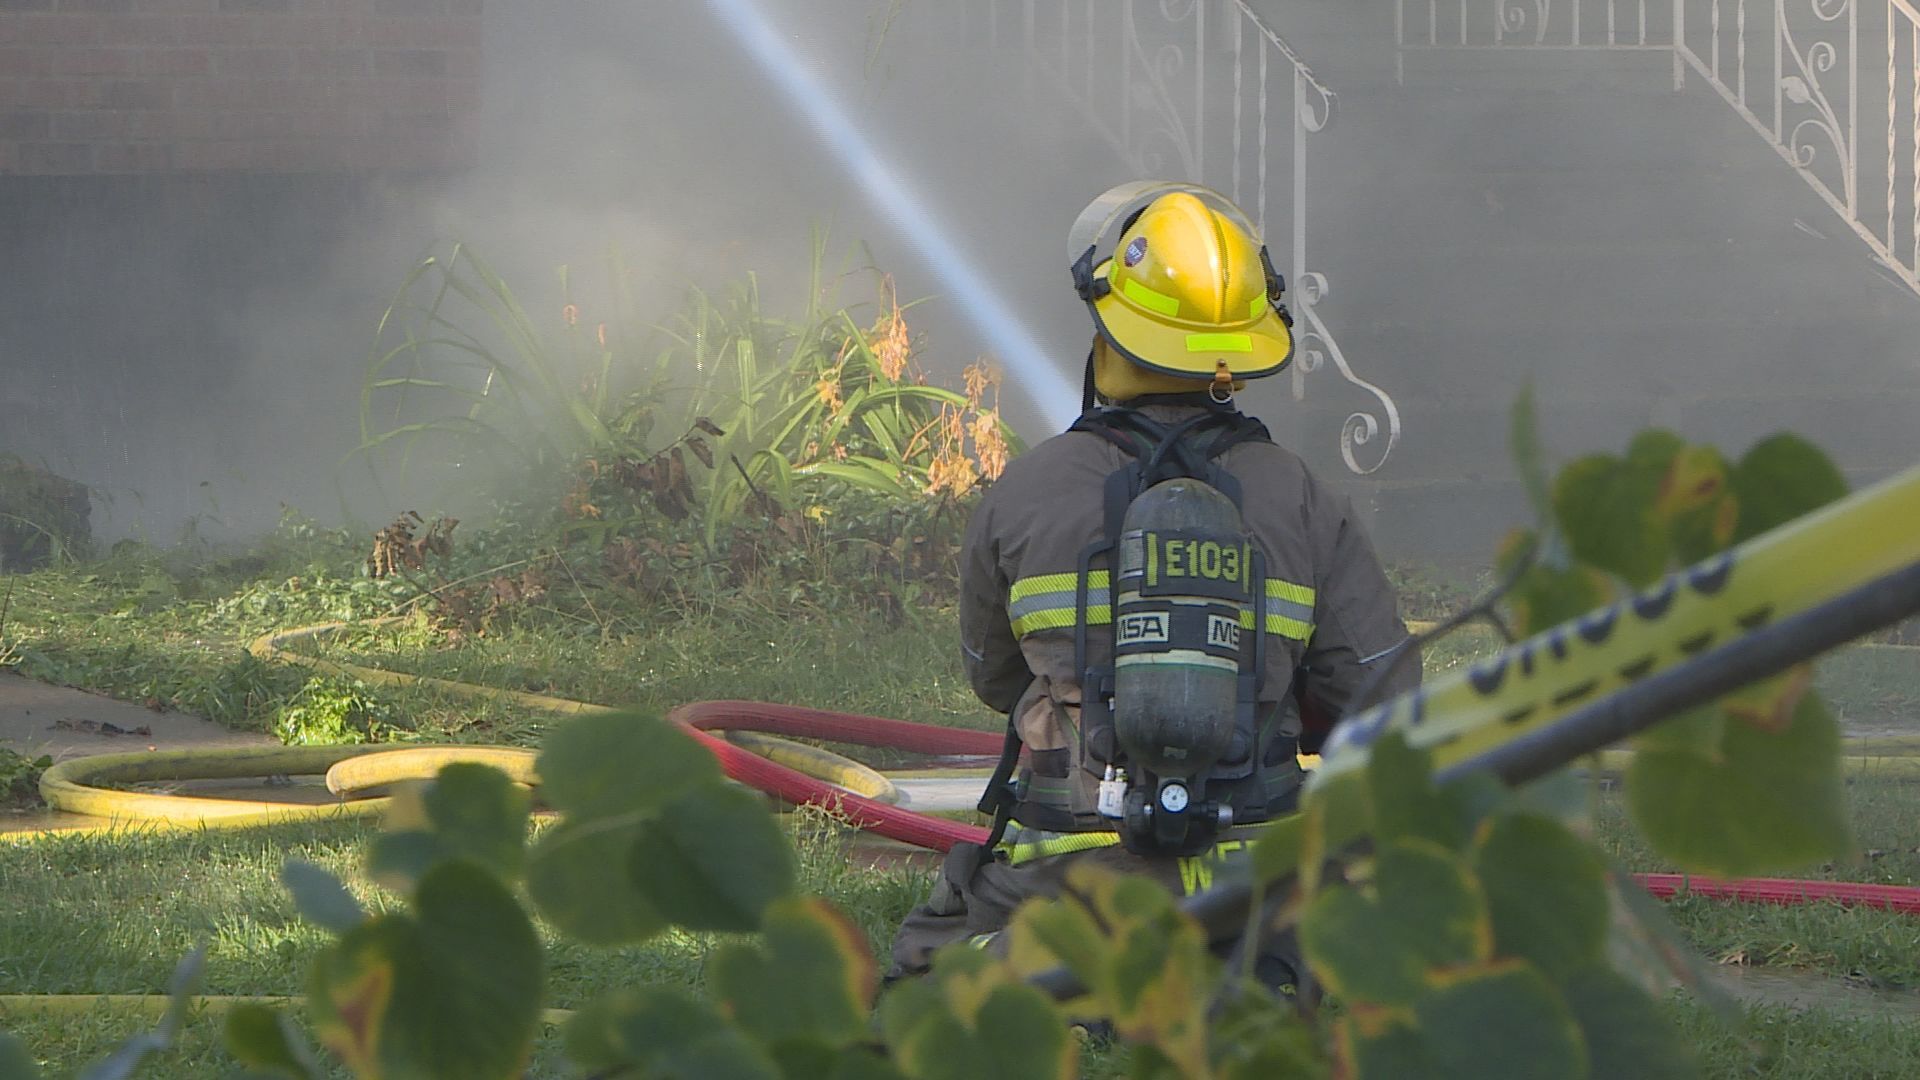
(977, 891)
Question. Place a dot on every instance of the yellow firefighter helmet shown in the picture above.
(1187, 291)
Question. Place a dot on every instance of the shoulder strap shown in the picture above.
(1160, 452)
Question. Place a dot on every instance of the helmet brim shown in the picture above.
(1260, 348)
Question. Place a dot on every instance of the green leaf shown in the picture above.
(811, 977)
(1528, 455)
(264, 1038)
(1697, 503)
(576, 877)
(1626, 1031)
(1337, 810)
(1143, 960)
(467, 811)
(1016, 1033)
(906, 1006)
(1405, 802)
(320, 897)
(480, 815)
(1282, 844)
(1759, 801)
(1546, 892)
(972, 1018)
(398, 860)
(591, 1036)
(1024, 1030)
(1605, 507)
(661, 1032)
(1696, 732)
(1536, 1036)
(1426, 913)
(16, 1063)
(1548, 595)
(600, 765)
(451, 990)
(722, 1055)
(1377, 1045)
(1778, 480)
(1042, 935)
(1654, 448)
(630, 1028)
(861, 1063)
(1258, 1035)
(713, 859)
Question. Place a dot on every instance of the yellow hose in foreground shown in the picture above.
(1894, 764)
(72, 786)
(155, 1004)
(77, 786)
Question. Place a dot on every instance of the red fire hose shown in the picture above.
(940, 834)
(1788, 891)
(897, 823)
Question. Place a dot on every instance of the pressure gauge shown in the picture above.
(1173, 798)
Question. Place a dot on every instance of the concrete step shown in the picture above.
(1605, 128)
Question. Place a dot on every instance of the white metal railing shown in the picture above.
(1537, 24)
(1158, 81)
(1826, 86)
(1832, 85)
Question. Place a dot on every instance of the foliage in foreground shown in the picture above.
(1472, 905)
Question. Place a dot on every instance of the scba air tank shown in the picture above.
(1183, 602)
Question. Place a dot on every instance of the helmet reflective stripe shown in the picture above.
(1149, 298)
(1236, 343)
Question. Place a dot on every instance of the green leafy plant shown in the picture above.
(330, 711)
(1429, 913)
(1767, 755)
(43, 517)
(20, 778)
(720, 412)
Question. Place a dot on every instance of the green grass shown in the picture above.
(112, 915)
(827, 660)
(1873, 688)
(144, 901)
(1775, 1043)
(1878, 948)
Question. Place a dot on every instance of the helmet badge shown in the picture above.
(1136, 250)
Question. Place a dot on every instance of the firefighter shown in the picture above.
(1186, 309)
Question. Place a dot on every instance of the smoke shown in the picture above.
(1044, 386)
(194, 350)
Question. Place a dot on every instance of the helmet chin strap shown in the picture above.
(1221, 389)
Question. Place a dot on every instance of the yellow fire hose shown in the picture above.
(355, 772)
(75, 786)
(155, 1004)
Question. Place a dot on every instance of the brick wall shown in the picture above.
(185, 86)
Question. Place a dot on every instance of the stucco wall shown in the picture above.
(159, 86)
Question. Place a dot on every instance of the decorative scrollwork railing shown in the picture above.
(1804, 74)
(1536, 24)
(1156, 80)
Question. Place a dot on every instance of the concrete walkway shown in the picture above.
(59, 721)
(36, 719)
